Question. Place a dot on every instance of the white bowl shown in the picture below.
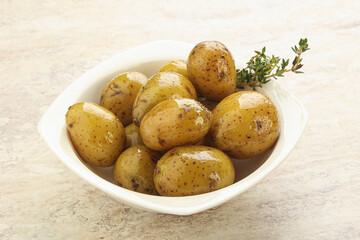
(148, 59)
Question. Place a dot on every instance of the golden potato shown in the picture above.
(190, 170)
(178, 66)
(133, 136)
(134, 169)
(173, 123)
(96, 133)
(211, 69)
(160, 87)
(119, 95)
(245, 124)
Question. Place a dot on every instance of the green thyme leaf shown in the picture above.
(261, 68)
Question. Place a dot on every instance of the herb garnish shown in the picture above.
(260, 68)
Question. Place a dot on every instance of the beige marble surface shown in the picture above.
(46, 45)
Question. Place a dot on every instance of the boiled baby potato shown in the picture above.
(96, 133)
(119, 95)
(160, 87)
(134, 169)
(175, 122)
(190, 170)
(133, 136)
(245, 124)
(211, 69)
(178, 66)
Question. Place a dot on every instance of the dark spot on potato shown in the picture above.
(116, 93)
(180, 116)
(115, 85)
(134, 184)
(161, 141)
(173, 152)
(143, 100)
(71, 125)
(248, 137)
(222, 56)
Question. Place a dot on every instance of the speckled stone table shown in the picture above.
(46, 45)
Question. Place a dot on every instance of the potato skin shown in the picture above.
(134, 169)
(191, 170)
(245, 124)
(160, 87)
(96, 133)
(178, 66)
(132, 136)
(175, 122)
(119, 95)
(211, 68)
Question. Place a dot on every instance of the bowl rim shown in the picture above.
(149, 202)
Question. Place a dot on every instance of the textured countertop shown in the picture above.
(46, 45)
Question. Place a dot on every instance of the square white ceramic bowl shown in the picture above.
(148, 59)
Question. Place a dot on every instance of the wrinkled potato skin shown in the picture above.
(160, 87)
(245, 124)
(134, 169)
(96, 133)
(119, 95)
(133, 136)
(173, 123)
(178, 66)
(211, 69)
(191, 170)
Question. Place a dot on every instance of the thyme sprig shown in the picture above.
(262, 68)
